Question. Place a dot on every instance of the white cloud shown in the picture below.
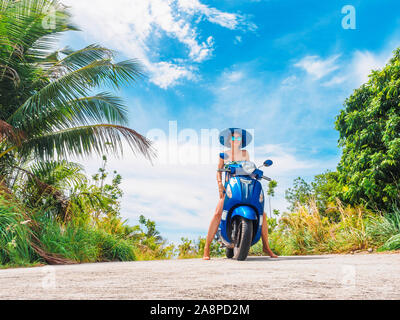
(137, 28)
(365, 61)
(165, 74)
(284, 157)
(355, 70)
(290, 81)
(224, 19)
(348, 73)
(336, 80)
(233, 77)
(238, 40)
(318, 67)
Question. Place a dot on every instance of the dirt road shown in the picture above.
(369, 276)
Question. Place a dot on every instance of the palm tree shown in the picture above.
(62, 189)
(48, 105)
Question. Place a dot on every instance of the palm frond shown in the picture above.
(62, 174)
(75, 60)
(74, 85)
(48, 94)
(24, 38)
(83, 141)
(25, 21)
(100, 108)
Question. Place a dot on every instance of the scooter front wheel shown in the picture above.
(243, 238)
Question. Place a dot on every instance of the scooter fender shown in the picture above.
(245, 212)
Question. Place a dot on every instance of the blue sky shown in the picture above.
(281, 68)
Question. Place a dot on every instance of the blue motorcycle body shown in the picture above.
(244, 197)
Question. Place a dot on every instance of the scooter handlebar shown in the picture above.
(228, 170)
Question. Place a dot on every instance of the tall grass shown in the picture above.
(14, 235)
(308, 231)
(386, 229)
(84, 243)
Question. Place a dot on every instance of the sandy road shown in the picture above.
(369, 276)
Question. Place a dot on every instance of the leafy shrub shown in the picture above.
(113, 248)
(392, 244)
(72, 242)
(386, 229)
(14, 235)
(85, 244)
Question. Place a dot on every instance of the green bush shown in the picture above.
(386, 229)
(14, 236)
(382, 229)
(113, 248)
(85, 243)
(75, 243)
(392, 244)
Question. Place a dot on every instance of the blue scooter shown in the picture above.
(243, 210)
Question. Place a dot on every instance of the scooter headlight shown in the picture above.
(249, 167)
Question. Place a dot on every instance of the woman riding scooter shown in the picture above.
(236, 139)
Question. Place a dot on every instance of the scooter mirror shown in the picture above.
(268, 163)
(223, 156)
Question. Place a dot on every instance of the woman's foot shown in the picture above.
(270, 253)
(206, 255)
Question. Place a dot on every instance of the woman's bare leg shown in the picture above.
(212, 230)
(264, 236)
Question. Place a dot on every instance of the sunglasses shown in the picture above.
(237, 138)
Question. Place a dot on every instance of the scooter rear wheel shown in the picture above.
(243, 238)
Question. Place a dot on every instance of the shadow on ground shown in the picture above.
(284, 258)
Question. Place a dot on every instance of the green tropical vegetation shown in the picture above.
(355, 207)
(307, 230)
(369, 128)
(53, 106)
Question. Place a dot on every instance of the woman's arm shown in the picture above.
(219, 178)
(246, 155)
